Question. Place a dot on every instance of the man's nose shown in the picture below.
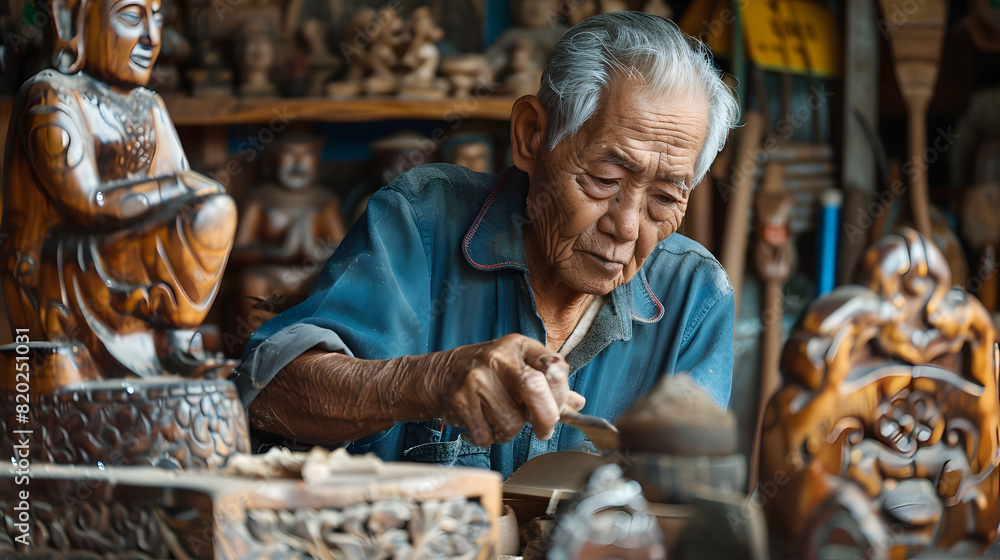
(622, 218)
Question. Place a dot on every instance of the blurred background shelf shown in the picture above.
(207, 111)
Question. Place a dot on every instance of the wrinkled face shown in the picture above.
(123, 40)
(603, 198)
(297, 165)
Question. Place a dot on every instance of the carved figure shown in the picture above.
(773, 257)
(382, 57)
(287, 230)
(256, 57)
(467, 71)
(884, 437)
(470, 150)
(537, 24)
(422, 57)
(525, 72)
(110, 238)
(354, 47)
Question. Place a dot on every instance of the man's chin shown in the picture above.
(596, 286)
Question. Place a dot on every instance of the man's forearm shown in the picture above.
(329, 398)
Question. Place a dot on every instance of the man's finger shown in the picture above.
(501, 412)
(478, 429)
(539, 357)
(552, 365)
(575, 401)
(539, 402)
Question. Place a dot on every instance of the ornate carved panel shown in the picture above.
(276, 506)
(885, 436)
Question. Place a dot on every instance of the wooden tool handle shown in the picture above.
(734, 242)
(920, 197)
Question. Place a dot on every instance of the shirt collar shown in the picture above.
(495, 241)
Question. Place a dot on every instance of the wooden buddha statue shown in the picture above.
(110, 238)
(288, 228)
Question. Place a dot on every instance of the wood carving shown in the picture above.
(884, 437)
(773, 258)
(524, 70)
(357, 58)
(467, 72)
(310, 506)
(536, 27)
(288, 228)
(382, 58)
(162, 422)
(422, 57)
(256, 58)
(470, 150)
(110, 238)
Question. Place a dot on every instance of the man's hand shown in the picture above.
(491, 389)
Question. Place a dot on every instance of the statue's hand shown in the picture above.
(198, 184)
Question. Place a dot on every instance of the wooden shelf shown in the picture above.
(207, 111)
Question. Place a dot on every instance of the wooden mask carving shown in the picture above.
(884, 436)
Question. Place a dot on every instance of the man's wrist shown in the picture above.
(414, 386)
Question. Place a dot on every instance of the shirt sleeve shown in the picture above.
(707, 353)
(371, 300)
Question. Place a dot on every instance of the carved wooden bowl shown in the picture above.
(163, 422)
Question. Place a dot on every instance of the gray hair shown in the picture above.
(633, 44)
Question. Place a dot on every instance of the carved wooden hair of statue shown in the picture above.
(884, 435)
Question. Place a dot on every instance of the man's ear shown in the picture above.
(529, 124)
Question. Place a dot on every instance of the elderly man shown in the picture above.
(465, 311)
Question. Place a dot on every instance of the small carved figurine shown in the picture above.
(466, 72)
(109, 238)
(538, 24)
(470, 150)
(355, 50)
(422, 57)
(382, 57)
(885, 438)
(287, 231)
(256, 58)
(525, 72)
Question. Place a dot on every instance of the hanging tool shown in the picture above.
(916, 53)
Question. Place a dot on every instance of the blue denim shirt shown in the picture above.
(438, 261)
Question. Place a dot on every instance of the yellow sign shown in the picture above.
(791, 36)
